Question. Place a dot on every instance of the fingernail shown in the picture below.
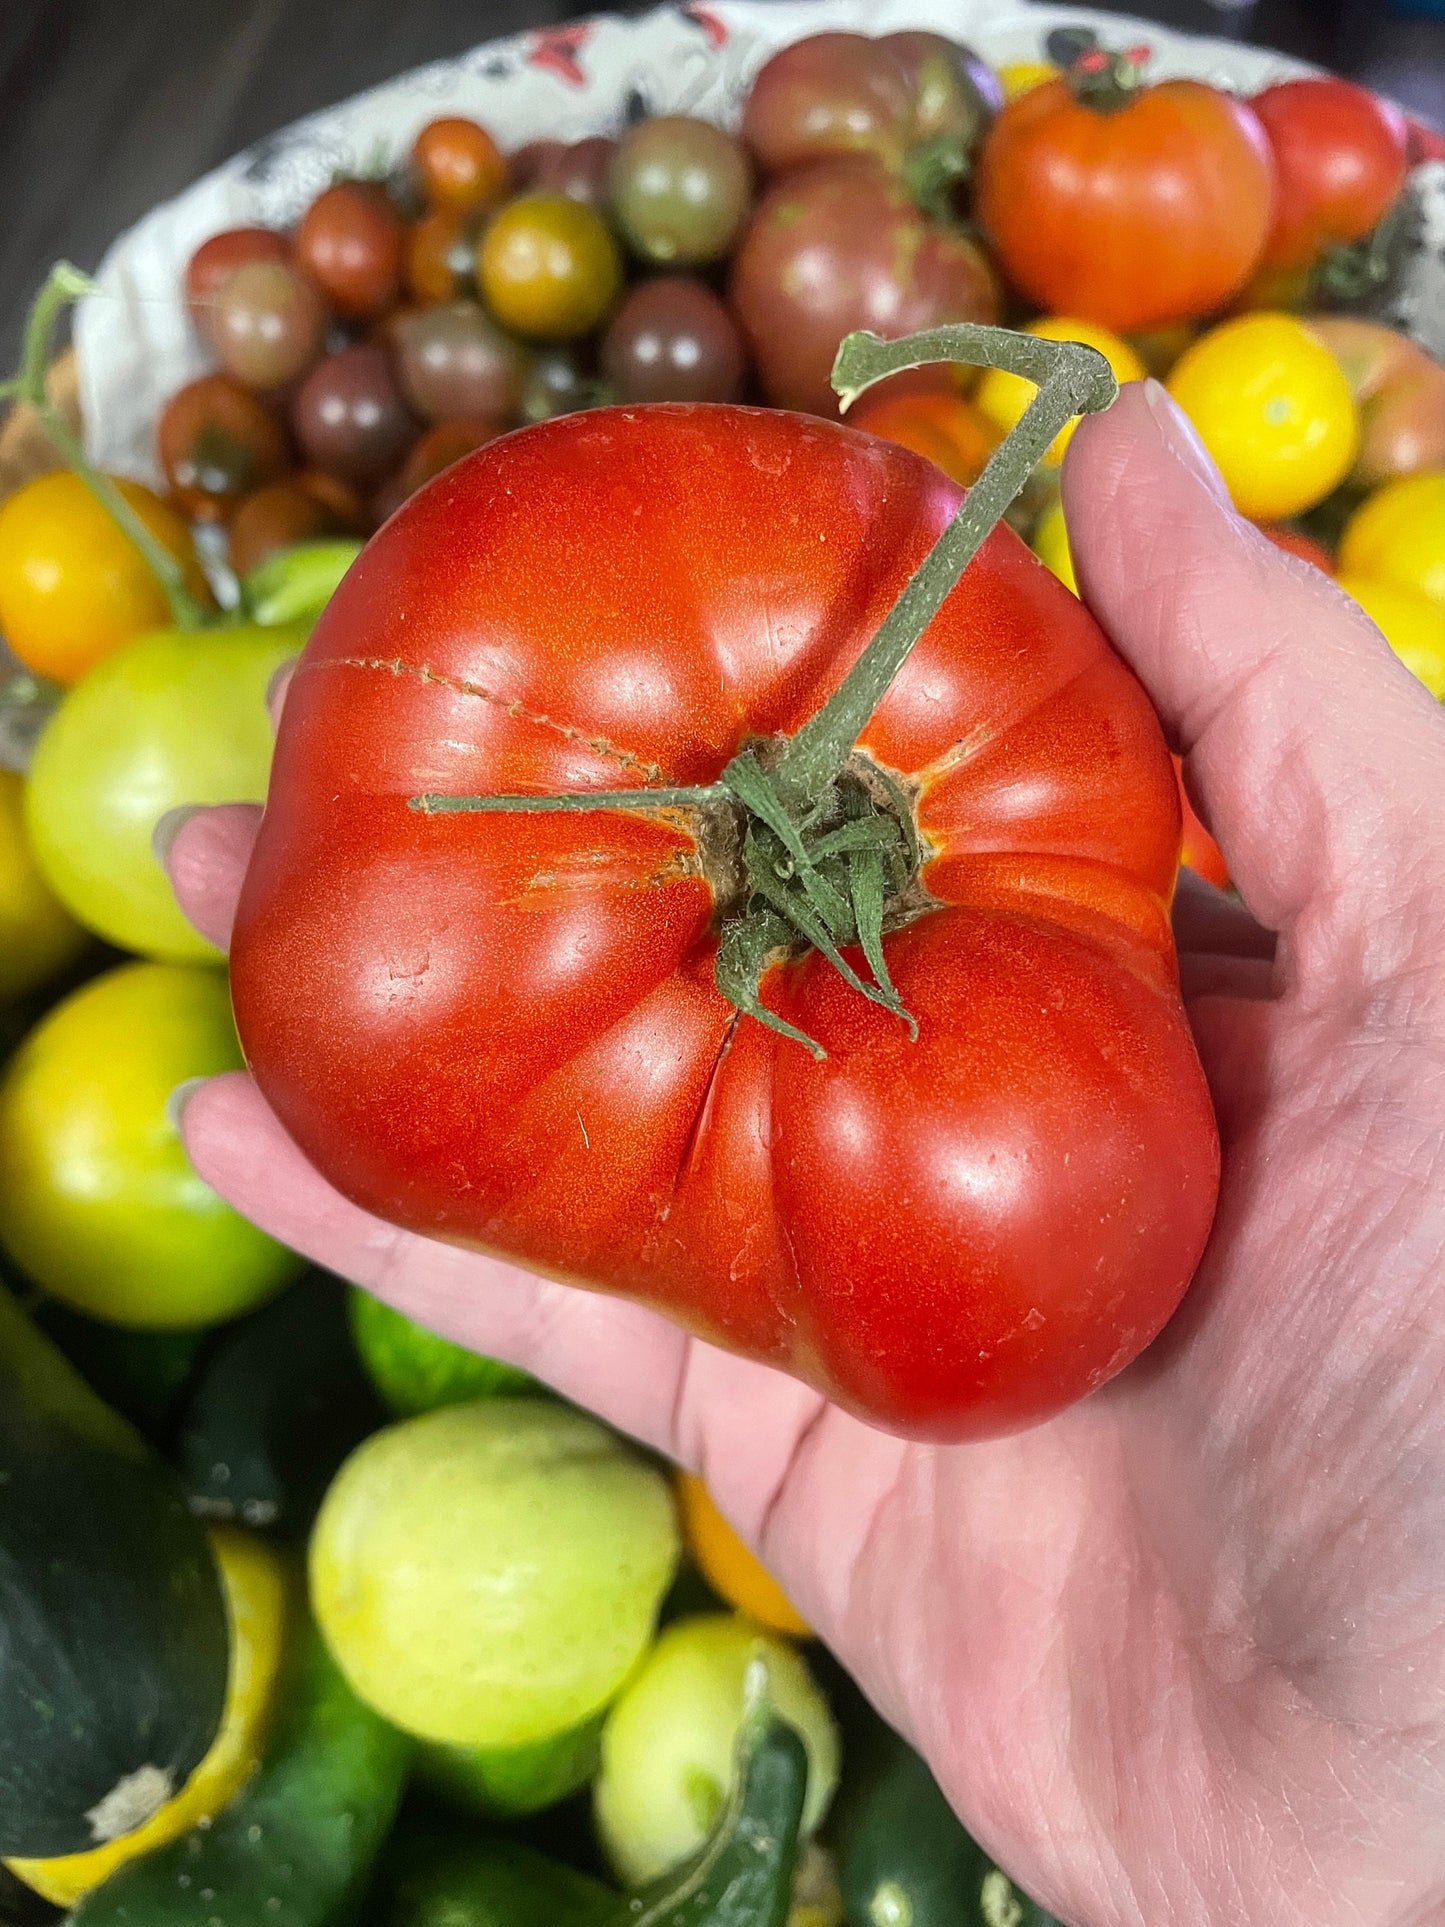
(1181, 438)
(169, 827)
(179, 1098)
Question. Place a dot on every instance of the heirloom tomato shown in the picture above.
(1340, 155)
(505, 1030)
(1128, 205)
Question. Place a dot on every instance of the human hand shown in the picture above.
(1178, 1655)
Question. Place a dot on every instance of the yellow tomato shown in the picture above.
(72, 586)
(1272, 406)
(1003, 397)
(1411, 623)
(1398, 535)
(734, 1573)
(254, 1585)
(548, 267)
(1051, 545)
(1021, 76)
(38, 936)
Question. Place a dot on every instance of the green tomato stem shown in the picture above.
(63, 285)
(1073, 380)
(435, 804)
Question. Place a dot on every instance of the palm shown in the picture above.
(1179, 1654)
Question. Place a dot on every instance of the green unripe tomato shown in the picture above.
(669, 1744)
(174, 717)
(98, 1200)
(489, 1574)
(416, 1370)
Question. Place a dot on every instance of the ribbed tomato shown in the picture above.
(1340, 155)
(1129, 205)
(503, 1030)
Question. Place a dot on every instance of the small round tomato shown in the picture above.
(548, 267)
(1340, 155)
(734, 1572)
(1197, 848)
(217, 444)
(38, 936)
(216, 260)
(1399, 389)
(673, 340)
(1133, 206)
(1411, 623)
(1273, 408)
(168, 719)
(578, 169)
(1051, 545)
(1398, 535)
(73, 587)
(458, 164)
(1003, 397)
(441, 254)
(296, 510)
(267, 324)
(350, 242)
(944, 428)
(679, 189)
(99, 1203)
(351, 417)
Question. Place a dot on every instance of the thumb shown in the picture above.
(1313, 752)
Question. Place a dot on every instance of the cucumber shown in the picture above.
(903, 1858)
(279, 1401)
(21, 1906)
(113, 1634)
(295, 1847)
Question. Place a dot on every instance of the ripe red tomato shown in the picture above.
(503, 1030)
(1197, 847)
(1135, 215)
(1340, 156)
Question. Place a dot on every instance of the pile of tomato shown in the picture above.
(892, 184)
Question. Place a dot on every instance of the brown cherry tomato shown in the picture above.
(295, 510)
(457, 164)
(441, 254)
(673, 340)
(578, 169)
(548, 267)
(454, 363)
(679, 190)
(1129, 205)
(218, 444)
(350, 242)
(350, 417)
(843, 246)
(267, 324)
(214, 261)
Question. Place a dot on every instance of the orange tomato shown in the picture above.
(1197, 847)
(733, 1572)
(953, 435)
(1295, 542)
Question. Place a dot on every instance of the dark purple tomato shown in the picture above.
(679, 190)
(350, 241)
(578, 169)
(429, 456)
(350, 416)
(296, 510)
(673, 340)
(838, 247)
(455, 363)
(916, 103)
(558, 384)
(218, 444)
(268, 324)
(214, 261)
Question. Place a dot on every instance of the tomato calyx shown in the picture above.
(1107, 81)
(826, 837)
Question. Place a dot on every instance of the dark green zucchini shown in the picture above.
(279, 1401)
(113, 1636)
(903, 1859)
(296, 1845)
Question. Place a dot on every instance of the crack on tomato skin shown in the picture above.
(395, 666)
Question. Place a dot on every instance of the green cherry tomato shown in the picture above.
(680, 190)
(98, 1200)
(175, 717)
(548, 267)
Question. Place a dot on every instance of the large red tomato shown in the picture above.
(1134, 208)
(1340, 155)
(504, 1030)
